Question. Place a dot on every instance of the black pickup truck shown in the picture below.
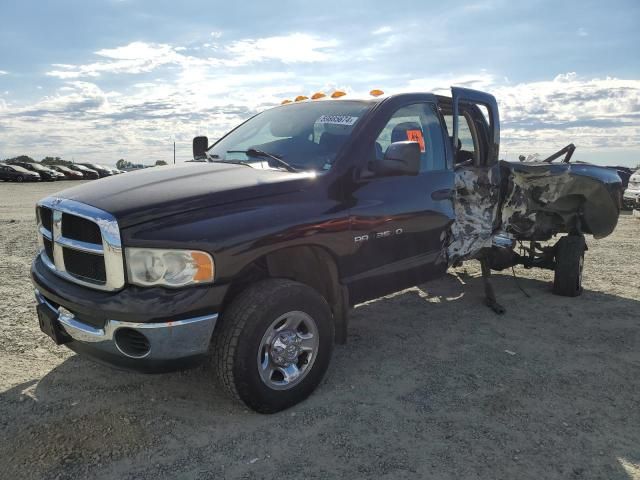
(253, 258)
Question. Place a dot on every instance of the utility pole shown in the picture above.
(174, 152)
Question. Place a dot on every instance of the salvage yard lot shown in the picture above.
(431, 384)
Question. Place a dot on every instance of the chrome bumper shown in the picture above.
(167, 340)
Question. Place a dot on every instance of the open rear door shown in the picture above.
(477, 199)
(465, 97)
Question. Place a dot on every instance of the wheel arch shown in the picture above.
(312, 265)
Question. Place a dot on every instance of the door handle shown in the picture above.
(444, 194)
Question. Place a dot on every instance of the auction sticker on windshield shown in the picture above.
(338, 119)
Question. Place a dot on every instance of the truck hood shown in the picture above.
(145, 195)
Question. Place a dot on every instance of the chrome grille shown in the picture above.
(77, 228)
(80, 243)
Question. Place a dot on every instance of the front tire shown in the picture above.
(569, 256)
(273, 344)
(19, 179)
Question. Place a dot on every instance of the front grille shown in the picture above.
(78, 228)
(46, 218)
(81, 243)
(48, 248)
(85, 265)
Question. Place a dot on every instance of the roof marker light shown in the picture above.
(317, 95)
(376, 92)
(284, 102)
(338, 94)
(299, 98)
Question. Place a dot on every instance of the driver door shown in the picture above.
(399, 222)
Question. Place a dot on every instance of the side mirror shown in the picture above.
(200, 145)
(401, 158)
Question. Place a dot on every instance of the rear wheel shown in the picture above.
(274, 344)
(569, 257)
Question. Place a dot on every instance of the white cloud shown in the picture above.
(142, 57)
(136, 51)
(582, 32)
(442, 83)
(592, 113)
(136, 57)
(382, 30)
(297, 47)
(4, 72)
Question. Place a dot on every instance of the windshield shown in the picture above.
(19, 169)
(307, 136)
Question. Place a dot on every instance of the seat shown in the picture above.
(462, 156)
(330, 142)
(399, 132)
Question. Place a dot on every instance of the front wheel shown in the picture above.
(19, 179)
(569, 257)
(273, 345)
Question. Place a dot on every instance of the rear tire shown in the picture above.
(273, 344)
(569, 257)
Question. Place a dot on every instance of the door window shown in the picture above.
(467, 150)
(418, 123)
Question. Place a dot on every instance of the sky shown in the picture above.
(103, 80)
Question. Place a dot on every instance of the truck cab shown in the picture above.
(252, 258)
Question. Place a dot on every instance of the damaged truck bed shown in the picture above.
(532, 202)
(500, 204)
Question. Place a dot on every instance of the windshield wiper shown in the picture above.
(235, 162)
(254, 152)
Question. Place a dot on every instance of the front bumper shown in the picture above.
(171, 345)
(631, 201)
(177, 324)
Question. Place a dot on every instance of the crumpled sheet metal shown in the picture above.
(529, 193)
(537, 201)
(476, 202)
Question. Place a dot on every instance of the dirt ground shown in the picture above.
(431, 384)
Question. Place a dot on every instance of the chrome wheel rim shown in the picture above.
(288, 350)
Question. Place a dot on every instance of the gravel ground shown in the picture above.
(432, 384)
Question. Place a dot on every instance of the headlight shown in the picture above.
(170, 268)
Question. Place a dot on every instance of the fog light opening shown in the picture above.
(132, 343)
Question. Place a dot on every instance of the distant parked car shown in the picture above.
(134, 167)
(102, 170)
(45, 173)
(15, 173)
(631, 198)
(86, 172)
(67, 172)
